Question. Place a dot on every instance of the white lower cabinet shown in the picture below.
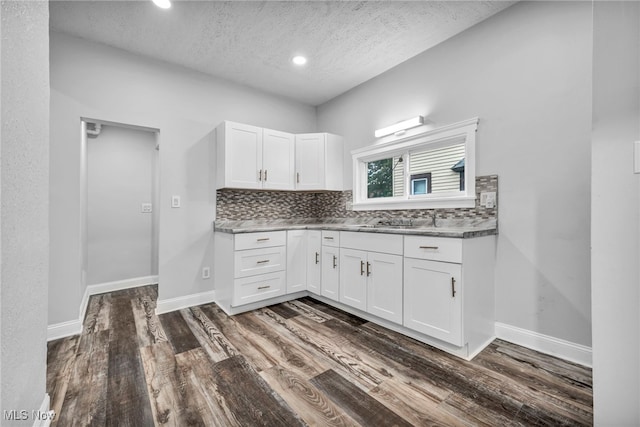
(372, 281)
(297, 241)
(330, 280)
(314, 265)
(384, 286)
(353, 278)
(433, 299)
(249, 267)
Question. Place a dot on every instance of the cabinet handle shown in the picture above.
(262, 239)
(361, 268)
(265, 174)
(328, 238)
(262, 261)
(368, 268)
(453, 287)
(317, 254)
(260, 175)
(264, 287)
(335, 259)
(428, 247)
(298, 177)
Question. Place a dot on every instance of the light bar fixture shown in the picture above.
(400, 127)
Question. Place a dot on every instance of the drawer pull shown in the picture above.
(317, 254)
(368, 268)
(262, 261)
(335, 263)
(264, 287)
(263, 239)
(362, 268)
(428, 247)
(328, 238)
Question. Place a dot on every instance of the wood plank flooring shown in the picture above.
(296, 363)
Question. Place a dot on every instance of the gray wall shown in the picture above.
(120, 171)
(615, 210)
(526, 73)
(24, 193)
(93, 80)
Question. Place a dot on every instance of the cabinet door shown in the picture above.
(433, 299)
(243, 155)
(296, 261)
(310, 161)
(330, 273)
(353, 278)
(314, 254)
(278, 160)
(384, 286)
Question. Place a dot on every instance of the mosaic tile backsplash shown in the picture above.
(235, 205)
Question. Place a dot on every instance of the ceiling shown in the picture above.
(252, 43)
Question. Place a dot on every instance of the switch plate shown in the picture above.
(206, 273)
(175, 201)
(348, 205)
(146, 208)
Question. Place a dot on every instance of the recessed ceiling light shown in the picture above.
(299, 60)
(164, 4)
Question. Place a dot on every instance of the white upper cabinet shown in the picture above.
(239, 156)
(278, 160)
(250, 157)
(319, 161)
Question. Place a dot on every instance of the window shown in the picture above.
(427, 170)
(421, 183)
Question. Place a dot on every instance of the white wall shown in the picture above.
(120, 172)
(615, 211)
(526, 73)
(24, 193)
(93, 80)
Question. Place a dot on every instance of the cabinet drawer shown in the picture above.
(331, 238)
(258, 288)
(372, 242)
(259, 261)
(260, 240)
(433, 248)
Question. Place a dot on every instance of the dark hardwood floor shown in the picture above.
(297, 363)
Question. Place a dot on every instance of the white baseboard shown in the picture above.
(64, 329)
(74, 327)
(118, 285)
(563, 349)
(173, 304)
(43, 417)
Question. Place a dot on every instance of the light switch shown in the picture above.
(146, 208)
(488, 199)
(175, 201)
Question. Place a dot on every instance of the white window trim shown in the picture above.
(402, 146)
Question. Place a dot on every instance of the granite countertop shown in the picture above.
(459, 228)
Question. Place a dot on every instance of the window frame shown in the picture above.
(464, 131)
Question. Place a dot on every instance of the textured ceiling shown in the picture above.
(252, 43)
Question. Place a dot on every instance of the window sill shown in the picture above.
(442, 202)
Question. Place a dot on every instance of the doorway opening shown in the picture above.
(120, 197)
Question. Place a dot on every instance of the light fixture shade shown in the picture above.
(401, 126)
(164, 4)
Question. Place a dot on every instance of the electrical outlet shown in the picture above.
(175, 201)
(348, 205)
(206, 272)
(146, 208)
